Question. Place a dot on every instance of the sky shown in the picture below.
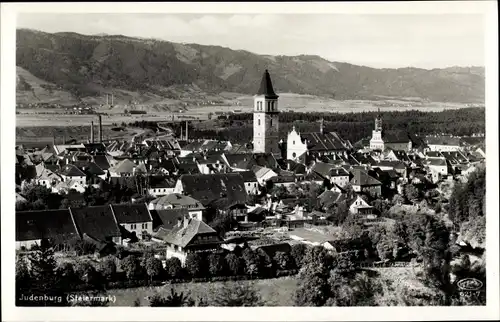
(375, 40)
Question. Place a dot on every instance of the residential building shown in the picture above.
(362, 208)
(97, 223)
(179, 201)
(135, 218)
(363, 182)
(33, 226)
(190, 235)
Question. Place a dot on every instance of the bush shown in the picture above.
(195, 265)
(132, 267)
(107, 268)
(173, 268)
(234, 264)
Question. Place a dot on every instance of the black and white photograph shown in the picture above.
(250, 157)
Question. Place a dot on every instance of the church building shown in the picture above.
(394, 140)
(316, 144)
(266, 118)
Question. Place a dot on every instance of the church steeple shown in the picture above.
(378, 122)
(266, 87)
(266, 118)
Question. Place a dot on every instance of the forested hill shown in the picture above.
(88, 65)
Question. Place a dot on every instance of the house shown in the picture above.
(363, 182)
(187, 165)
(283, 181)
(33, 226)
(444, 143)
(263, 174)
(179, 201)
(315, 143)
(211, 163)
(190, 235)
(126, 168)
(251, 183)
(347, 245)
(97, 223)
(361, 207)
(440, 166)
(71, 172)
(161, 186)
(334, 174)
(398, 166)
(168, 218)
(135, 218)
(46, 177)
(91, 169)
(238, 161)
(67, 186)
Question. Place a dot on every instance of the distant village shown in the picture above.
(277, 189)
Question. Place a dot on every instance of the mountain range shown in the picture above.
(81, 66)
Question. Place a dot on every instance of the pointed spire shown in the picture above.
(266, 86)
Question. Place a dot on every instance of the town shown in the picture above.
(179, 210)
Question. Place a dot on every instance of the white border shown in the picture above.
(10, 313)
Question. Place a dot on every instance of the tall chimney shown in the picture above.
(181, 134)
(321, 125)
(186, 130)
(111, 99)
(107, 102)
(53, 139)
(100, 128)
(92, 132)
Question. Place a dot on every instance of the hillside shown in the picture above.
(88, 66)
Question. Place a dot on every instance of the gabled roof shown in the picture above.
(437, 162)
(168, 218)
(130, 214)
(70, 170)
(89, 168)
(239, 161)
(328, 198)
(97, 222)
(33, 225)
(181, 236)
(260, 172)
(209, 187)
(395, 137)
(248, 176)
(362, 178)
(326, 141)
(102, 162)
(124, 166)
(178, 200)
(392, 164)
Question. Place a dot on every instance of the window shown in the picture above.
(271, 122)
(258, 121)
(293, 142)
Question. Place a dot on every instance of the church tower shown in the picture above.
(376, 142)
(265, 118)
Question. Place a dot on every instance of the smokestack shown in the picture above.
(321, 125)
(100, 128)
(92, 132)
(107, 102)
(181, 134)
(186, 130)
(111, 99)
(53, 139)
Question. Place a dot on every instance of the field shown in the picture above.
(396, 281)
(274, 292)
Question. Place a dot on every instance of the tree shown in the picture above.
(398, 200)
(88, 273)
(234, 264)
(132, 267)
(173, 267)
(43, 278)
(297, 253)
(385, 248)
(241, 294)
(174, 299)
(251, 261)
(23, 278)
(338, 213)
(312, 291)
(282, 260)
(216, 265)
(195, 265)
(154, 268)
(411, 192)
(107, 268)
(67, 275)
